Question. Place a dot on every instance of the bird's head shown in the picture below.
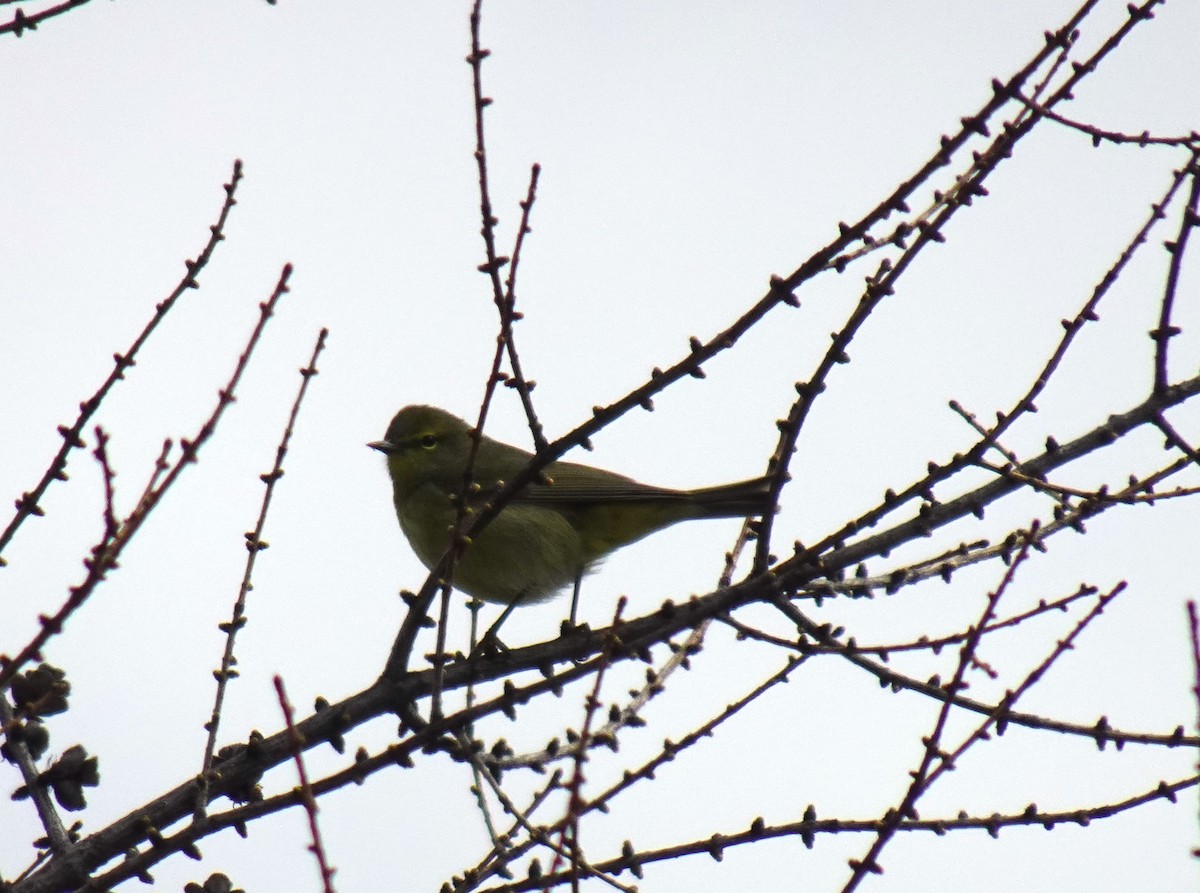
(424, 444)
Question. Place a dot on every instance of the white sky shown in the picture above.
(689, 150)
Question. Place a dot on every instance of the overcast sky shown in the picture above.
(689, 151)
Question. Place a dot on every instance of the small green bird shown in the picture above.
(550, 533)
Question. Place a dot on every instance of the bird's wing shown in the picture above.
(570, 483)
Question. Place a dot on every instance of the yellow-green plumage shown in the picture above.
(549, 533)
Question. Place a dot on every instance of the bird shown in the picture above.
(553, 531)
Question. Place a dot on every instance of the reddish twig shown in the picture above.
(305, 790)
(28, 504)
(22, 22)
(254, 544)
(105, 559)
(569, 826)
(1165, 330)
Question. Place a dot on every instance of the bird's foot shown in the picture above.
(489, 646)
(570, 627)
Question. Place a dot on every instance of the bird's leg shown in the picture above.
(575, 596)
(474, 605)
(490, 642)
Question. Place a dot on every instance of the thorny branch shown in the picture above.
(29, 503)
(810, 573)
(254, 544)
(106, 554)
(22, 21)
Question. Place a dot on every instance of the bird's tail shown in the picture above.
(738, 500)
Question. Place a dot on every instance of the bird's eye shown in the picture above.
(429, 441)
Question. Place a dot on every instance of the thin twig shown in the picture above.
(715, 845)
(932, 756)
(29, 503)
(1165, 330)
(317, 848)
(1102, 135)
(1194, 635)
(105, 559)
(254, 544)
(569, 826)
(22, 22)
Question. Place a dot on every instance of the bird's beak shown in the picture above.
(384, 446)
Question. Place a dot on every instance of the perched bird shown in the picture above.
(551, 532)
